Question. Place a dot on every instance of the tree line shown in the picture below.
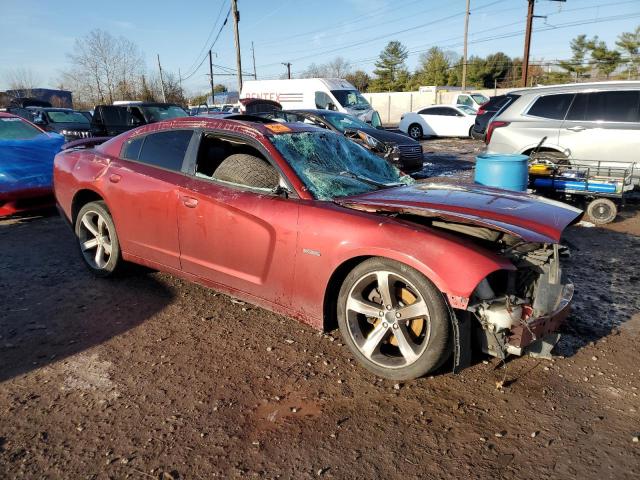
(591, 58)
(104, 68)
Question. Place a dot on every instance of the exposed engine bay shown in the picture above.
(519, 307)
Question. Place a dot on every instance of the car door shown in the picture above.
(433, 121)
(142, 194)
(603, 126)
(544, 118)
(232, 234)
(455, 123)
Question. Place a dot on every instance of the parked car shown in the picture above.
(473, 100)
(308, 93)
(71, 124)
(487, 112)
(306, 223)
(405, 153)
(588, 122)
(26, 164)
(438, 121)
(111, 120)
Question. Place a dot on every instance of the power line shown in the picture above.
(206, 42)
(210, 47)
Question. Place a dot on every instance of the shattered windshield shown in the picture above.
(332, 166)
(351, 99)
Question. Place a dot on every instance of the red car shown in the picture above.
(306, 223)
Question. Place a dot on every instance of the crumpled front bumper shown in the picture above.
(534, 329)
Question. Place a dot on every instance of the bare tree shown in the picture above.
(105, 68)
(336, 68)
(22, 79)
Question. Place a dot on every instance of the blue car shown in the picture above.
(26, 164)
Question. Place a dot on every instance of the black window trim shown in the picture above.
(185, 161)
(190, 167)
(602, 122)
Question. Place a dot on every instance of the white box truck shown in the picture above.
(313, 93)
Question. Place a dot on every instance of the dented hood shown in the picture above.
(528, 217)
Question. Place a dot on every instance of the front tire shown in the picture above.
(393, 319)
(97, 239)
(415, 131)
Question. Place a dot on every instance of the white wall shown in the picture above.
(391, 105)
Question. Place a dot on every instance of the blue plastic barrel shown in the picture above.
(510, 172)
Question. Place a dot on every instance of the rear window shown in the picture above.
(165, 149)
(553, 107)
(615, 106)
(497, 103)
(13, 128)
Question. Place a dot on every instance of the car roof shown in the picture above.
(229, 124)
(611, 85)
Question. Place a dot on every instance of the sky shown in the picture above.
(39, 35)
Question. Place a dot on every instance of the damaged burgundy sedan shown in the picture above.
(305, 223)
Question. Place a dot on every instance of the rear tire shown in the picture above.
(393, 319)
(97, 239)
(249, 170)
(415, 131)
(602, 211)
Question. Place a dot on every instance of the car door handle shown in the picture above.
(115, 178)
(577, 128)
(190, 202)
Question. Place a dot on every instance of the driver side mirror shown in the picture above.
(38, 120)
(331, 106)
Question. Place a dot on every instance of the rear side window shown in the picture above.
(553, 107)
(131, 148)
(433, 111)
(614, 106)
(165, 149)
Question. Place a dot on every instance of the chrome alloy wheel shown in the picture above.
(415, 132)
(388, 319)
(95, 239)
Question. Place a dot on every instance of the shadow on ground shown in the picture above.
(52, 306)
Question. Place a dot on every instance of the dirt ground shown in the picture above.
(149, 376)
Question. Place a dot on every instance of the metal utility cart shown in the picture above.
(600, 186)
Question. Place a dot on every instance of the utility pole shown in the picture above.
(211, 78)
(527, 43)
(164, 96)
(288, 65)
(236, 19)
(180, 83)
(464, 54)
(253, 55)
(527, 39)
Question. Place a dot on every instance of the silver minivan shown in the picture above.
(588, 122)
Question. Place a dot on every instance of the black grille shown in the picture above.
(411, 152)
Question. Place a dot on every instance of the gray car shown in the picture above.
(584, 123)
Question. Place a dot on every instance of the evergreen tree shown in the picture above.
(606, 60)
(629, 43)
(391, 71)
(580, 48)
(433, 69)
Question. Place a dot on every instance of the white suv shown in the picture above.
(587, 123)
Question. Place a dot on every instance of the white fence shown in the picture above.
(391, 105)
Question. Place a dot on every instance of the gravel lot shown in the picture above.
(148, 376)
